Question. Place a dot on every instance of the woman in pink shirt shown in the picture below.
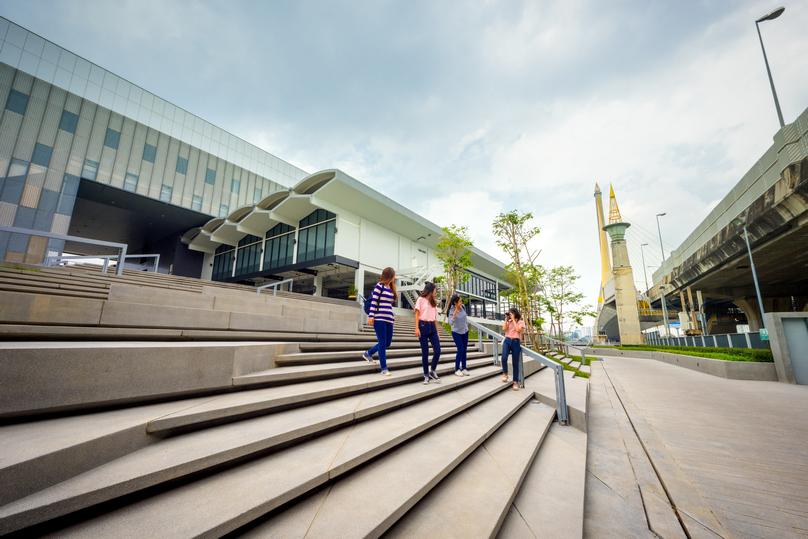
(426, 329)
(513, 328)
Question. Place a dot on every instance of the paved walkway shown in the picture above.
(742, 445)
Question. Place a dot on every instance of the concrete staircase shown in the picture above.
(170, 407)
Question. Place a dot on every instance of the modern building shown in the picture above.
(89, 154)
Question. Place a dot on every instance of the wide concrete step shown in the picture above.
(238, 405)
(222, 502)
(176, 457)
(297, 373)
(486, 482)
(312, 347)
(309, 358)
(388, 487)
(550, 501)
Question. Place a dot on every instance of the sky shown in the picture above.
(461, 111)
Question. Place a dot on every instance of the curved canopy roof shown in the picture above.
(330, 188)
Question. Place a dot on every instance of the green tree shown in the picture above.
(562, 299)
(514, 235)
(454, 251)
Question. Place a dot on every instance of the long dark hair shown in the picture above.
(388, 279)
(428, 292)
(515, 312)
(454, 299)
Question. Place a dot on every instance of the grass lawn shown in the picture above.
(727, 354)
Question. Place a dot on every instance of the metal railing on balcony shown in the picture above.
(29, 232)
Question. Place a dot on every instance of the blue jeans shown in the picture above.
(514, 348)
(384, 334)
(429, 334)
(462, 342)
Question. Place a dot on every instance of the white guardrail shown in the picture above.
(275, 286)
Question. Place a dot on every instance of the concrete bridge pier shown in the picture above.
(628, 315)
(751, 309)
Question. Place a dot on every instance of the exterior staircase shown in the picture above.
(413, 281)
(158, 406)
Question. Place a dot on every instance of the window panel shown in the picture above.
(235, 185)
(182, 165)
(330, 237)
(165, 193)
(17, 102)
(210, 176)
(196, 205)
(68, 122)
(302, 238)
(256, 194)
(319, 251)
(130, 182)
(90, 170)
(112, 138)
(42, 155)
(224, 209)
(149, 153)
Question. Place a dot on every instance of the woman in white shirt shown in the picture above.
(426, 329)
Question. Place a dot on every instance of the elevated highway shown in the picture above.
(713, 260)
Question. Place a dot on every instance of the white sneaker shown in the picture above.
(458, 373)
(466, 373)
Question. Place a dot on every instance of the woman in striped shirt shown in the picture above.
(381, 317)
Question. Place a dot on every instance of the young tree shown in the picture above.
(454, 251)
(563, 300)
(514, 235)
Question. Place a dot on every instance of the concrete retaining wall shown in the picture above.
(44, 377)
(731, 370)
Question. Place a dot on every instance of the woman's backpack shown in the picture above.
(368, 304)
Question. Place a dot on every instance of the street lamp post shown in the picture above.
(665, 312)
(644, 269)
(769, 17)
(741, 221)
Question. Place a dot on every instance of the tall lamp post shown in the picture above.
(769, 17)
(741, 221)
(665, 312)
(644, 269)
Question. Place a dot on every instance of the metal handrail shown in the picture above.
(275, 286)
(29, 232)
(558, 374)
(567, 345)
(51, 261)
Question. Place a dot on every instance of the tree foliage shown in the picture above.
(514, 235)
(454, 251)
(562, 300)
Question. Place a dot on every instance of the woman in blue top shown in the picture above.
(460, 333)
(381, 317)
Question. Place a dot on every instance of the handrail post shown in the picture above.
(121, 260)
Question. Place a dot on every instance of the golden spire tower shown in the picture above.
(605, 261)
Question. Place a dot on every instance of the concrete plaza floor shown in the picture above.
(743, 445)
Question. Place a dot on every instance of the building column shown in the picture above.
(207, 266)
(750, 308)
(628, 314)
(359, 281)
(318, 285)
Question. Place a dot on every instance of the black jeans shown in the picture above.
(429, 334)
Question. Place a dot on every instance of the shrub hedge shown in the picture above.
(731, 354)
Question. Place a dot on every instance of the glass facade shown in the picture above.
(223, 262)
(316, 236)
(248, 259)
(66, 118)
(280, 246)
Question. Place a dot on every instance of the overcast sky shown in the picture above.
(462, 110)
